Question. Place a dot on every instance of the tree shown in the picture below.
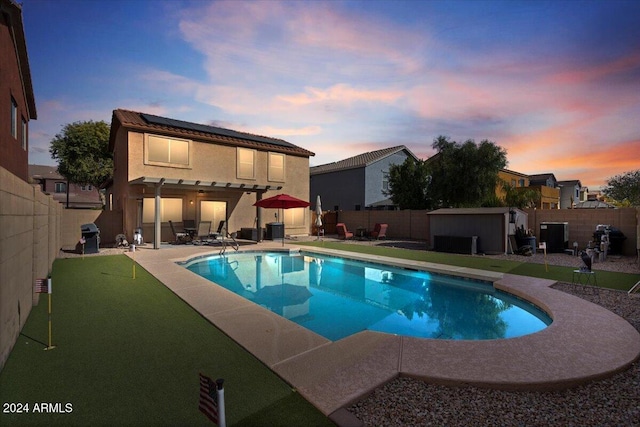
(408, 184)
(82, 151)
(624, 189)
(522, 197)
(464, 175)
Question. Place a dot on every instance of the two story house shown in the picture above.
(358, 182)
(547, 185)
(172, 170)
(17, 101)
(571, 193)
(71, 195)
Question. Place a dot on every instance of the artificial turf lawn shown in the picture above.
(606, 279)
(128, 352)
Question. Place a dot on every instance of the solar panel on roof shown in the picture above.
(163, 121)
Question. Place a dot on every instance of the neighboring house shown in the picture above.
(172, 170)
(512, 178)
(17, 101)
(51, 182)
(358, 182)
(547, 186)
(571, 193)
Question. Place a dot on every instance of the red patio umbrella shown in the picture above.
(281, 201)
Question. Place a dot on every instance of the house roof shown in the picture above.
(594, 204)
(44, 172)
(12, 13)
(541, 177)
(359, 161)
(151, 123)
(571, 182)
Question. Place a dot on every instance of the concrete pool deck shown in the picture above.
(584, 342)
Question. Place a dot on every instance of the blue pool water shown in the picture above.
(337, 297)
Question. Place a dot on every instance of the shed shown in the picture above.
(450, 227)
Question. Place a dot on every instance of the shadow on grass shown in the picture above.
(33, 339)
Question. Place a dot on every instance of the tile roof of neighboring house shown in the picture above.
(541, 176)
(204, 133)
(13, 14)
(361, 160)
(44, 172)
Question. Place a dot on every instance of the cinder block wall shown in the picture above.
(29, 243)
(405, 224)
(583, 222)
(410, 224)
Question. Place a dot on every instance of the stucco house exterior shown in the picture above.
(547, 185)
(51, 182)
(17, 100)
(358, 182)
(571, 193)
(172, 170)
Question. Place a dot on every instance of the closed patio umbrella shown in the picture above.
(318, 214)
(281, 201)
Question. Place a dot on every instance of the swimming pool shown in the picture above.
(337, 297)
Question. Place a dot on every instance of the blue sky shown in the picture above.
(557, 84)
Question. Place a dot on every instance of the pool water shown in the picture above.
(337, 297)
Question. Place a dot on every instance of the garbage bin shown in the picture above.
(275, 230)
(528, 241)
(91, 237)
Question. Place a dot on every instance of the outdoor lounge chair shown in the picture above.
(379, 231)
(343, 233)
(203, 232)
(179, 236)
(220, 233)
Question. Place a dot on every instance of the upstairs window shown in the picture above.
(24, 134)
(246, 163)
(276, 167)
(164, 151)
(14, 118)
(86, 188)
(61, 187)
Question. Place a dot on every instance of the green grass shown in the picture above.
(128, 352)
(607, 279)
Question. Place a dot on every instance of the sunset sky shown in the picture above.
(557, 84)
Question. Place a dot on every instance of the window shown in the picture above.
(61, 187)
(163, 151)
(86, 188)
(295, 217)
(521, 182)
(246, 163)
(14, 118)
(513, 183)
(213, 211)
(385, 181)
(276, 167)
(24, 134)
(170, 209)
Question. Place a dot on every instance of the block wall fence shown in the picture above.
(414, 224)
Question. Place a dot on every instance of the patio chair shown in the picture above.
(379, 231)
(203, 232)
(220, 233)
(189, 223)
(180, 237)
(343, 233)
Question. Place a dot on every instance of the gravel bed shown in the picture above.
(614, 401)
